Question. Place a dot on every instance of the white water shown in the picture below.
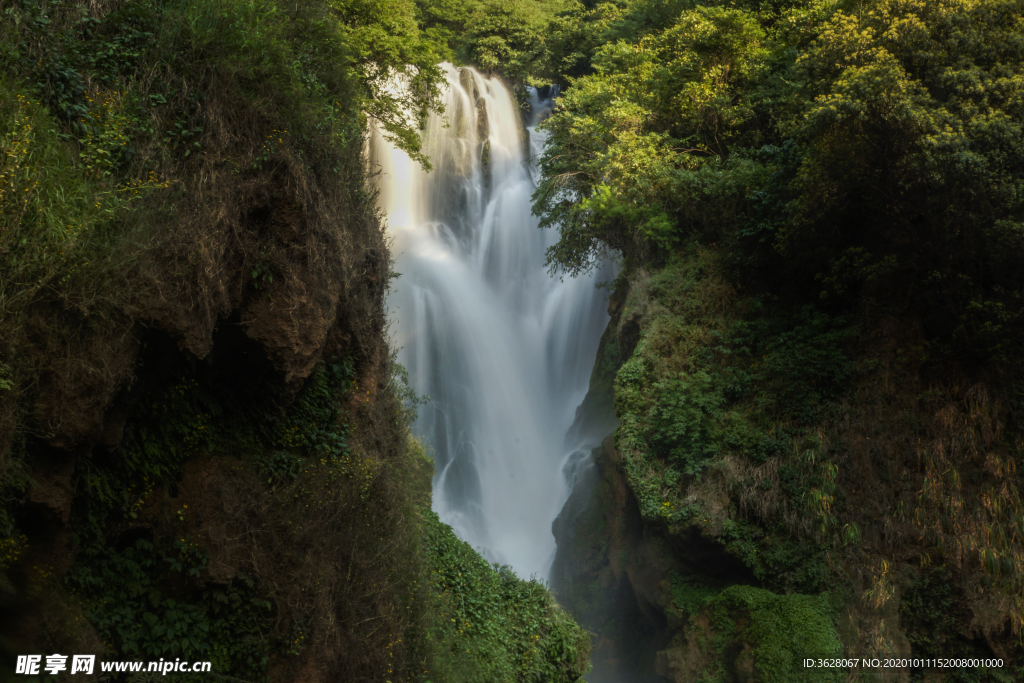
(503, 350)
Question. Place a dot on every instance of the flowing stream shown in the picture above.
(502, 349)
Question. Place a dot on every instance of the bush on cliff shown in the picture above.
(817, 211)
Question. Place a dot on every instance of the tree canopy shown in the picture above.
(855, 149)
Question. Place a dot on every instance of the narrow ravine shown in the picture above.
(502, 349)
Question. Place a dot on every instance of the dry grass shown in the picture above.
(900, 474)
(929, 475)
(969, 509)
(767, 503)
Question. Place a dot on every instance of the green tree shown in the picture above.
(910, 178)
(508, 38)
(396, 66)
(632, 145)
(853, 152)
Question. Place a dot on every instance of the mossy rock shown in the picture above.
(746, 634)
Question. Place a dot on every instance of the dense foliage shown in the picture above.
(816, 210)
(101, 110)
(506, 38)
(488, 624)
(169, 486)
(856, 152)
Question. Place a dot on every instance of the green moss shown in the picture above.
(691, 593)
(716, 377)
(782, 630)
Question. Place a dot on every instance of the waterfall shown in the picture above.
(502, 349)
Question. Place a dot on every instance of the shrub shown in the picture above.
(783, 629)
(488, 624)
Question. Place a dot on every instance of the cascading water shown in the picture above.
(502, 349)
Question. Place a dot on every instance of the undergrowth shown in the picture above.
(931, 611)
(150, 596)
(167, 167)
(783, 629)
(488, 624)
(725, 392)
(768, 428)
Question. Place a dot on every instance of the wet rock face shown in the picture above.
(293, 267)
(613, 572)
(466, 81)
(52, 489)
(469, 84)
(609, 573)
